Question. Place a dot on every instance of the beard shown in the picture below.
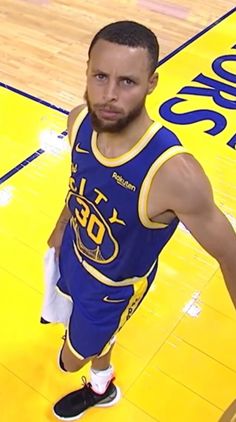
(118, 125)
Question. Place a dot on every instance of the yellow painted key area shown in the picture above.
(175, 360)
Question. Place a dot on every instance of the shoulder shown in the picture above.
(181, 166)
(74, 113)
(183, 183)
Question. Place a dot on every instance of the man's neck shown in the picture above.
(114, 144)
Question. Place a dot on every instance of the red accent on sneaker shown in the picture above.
(108, 383)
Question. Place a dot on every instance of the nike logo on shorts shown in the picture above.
(109, 300)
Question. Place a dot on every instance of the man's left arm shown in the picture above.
(212, 230)
(209, 226)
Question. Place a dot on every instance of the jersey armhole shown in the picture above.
(76, 124)
(146, 186)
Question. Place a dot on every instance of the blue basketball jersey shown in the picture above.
(110, 233)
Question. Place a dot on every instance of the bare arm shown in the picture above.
(212, 230)
(189, 194)
(56, 236)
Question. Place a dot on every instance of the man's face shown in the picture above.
(118, 81)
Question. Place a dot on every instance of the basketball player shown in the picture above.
(131, 183)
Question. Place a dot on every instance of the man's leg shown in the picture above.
(69, 362)
(100, 392)
(73, 364)
(103, 362)
(101, 372)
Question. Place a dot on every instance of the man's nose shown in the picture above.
(111, 91)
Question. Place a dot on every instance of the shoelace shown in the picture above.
(84, 381)
(87, 392)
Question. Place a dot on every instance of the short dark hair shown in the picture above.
(132, 34)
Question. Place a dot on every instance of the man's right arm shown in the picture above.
(56, 236)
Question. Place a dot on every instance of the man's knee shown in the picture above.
(72, 366)
(69, 362)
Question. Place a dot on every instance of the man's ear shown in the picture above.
(153, 82)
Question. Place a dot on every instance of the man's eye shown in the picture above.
(100, 77)
(128, 82)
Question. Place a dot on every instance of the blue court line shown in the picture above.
(39, 152)
(195, 37)
(47, 104)
(32, 97)
(23, 164)
(27, 161)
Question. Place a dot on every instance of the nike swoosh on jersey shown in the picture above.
(78, 149)
(109, 300)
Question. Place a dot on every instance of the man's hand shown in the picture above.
(55, 239)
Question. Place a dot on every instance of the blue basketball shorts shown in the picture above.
(99, 310)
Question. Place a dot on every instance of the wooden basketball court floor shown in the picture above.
(175, 360)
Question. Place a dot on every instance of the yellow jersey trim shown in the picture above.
(146, 185)
(139, 291)
(107, 346)
(124, 158)
(80, 357)
(104, 279)
(77, 123)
